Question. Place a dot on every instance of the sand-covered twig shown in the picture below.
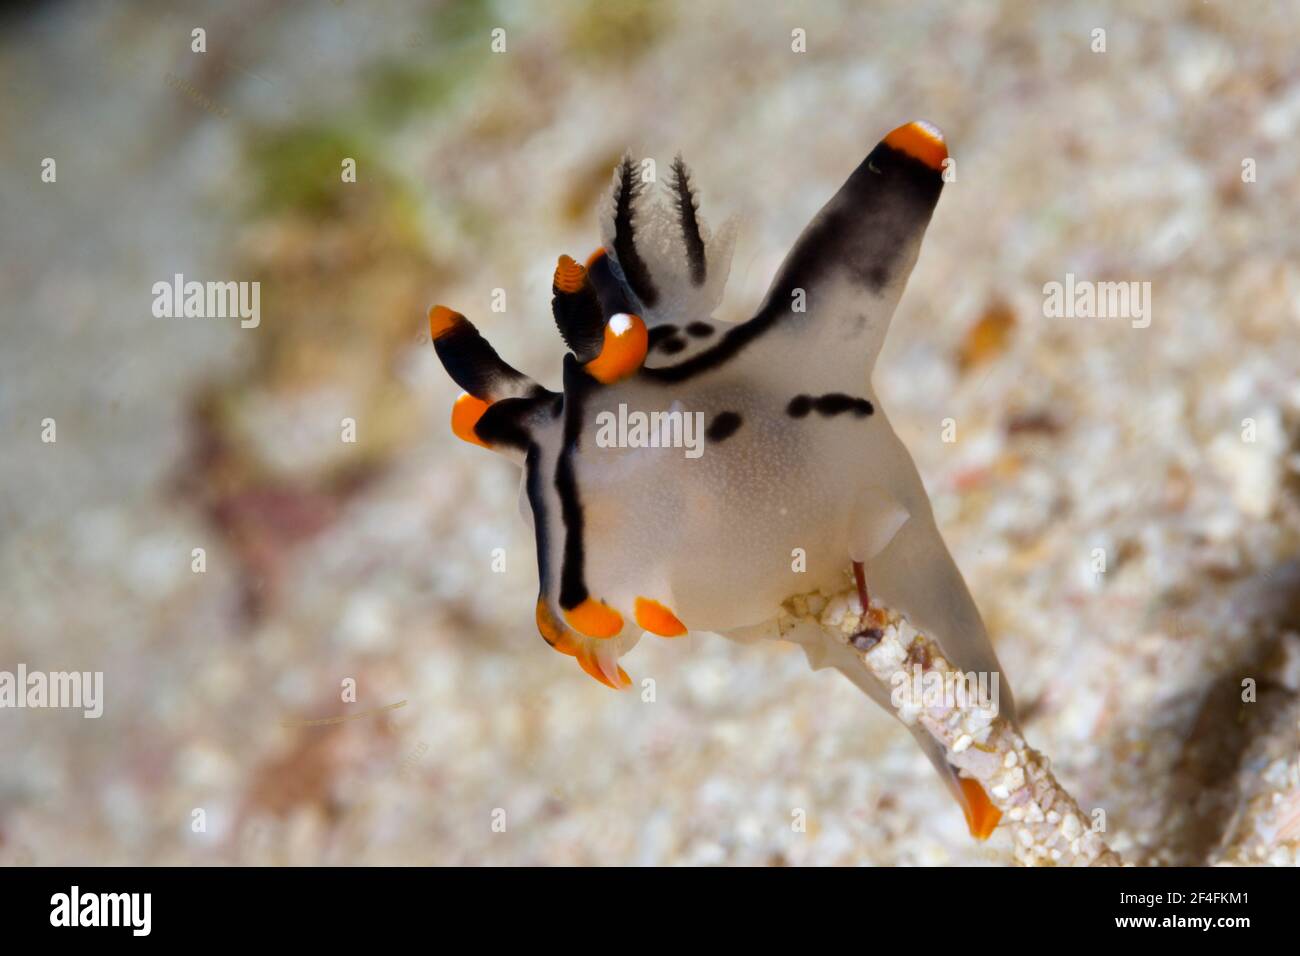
(1046, 824)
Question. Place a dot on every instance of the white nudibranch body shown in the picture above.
(799, 475)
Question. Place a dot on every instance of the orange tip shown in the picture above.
(623, 350)
(920, 140)
(595, 257)
(615, 679)
(594, 619)
(465, 414)
(442, 320)
(654, 617)
(981, 816)
(569, 276)
(553, 632)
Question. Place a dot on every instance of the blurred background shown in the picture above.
(1173, 448)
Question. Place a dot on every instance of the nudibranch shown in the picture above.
(800, 476)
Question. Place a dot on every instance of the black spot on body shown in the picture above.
(657, 334)
(672, 345)
(799, 406)
(837, 403)
(723, 426)
(700, 330)
(829, 405)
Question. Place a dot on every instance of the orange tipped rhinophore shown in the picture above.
(626, 342)
(981, 816)
(921, 141)
(595, 256)
(442, 320)
(569, 276)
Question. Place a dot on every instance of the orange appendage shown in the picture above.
(569, 276)
(654, 617)
(597, 657)
(920, 141)
(623, 351)
(553, 632)
(604, 669)
(981, 816)
(442, 320)
(594, 619)
(595, 257)
(465, 414)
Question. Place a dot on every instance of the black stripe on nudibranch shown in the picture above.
(573, 585)
(505, 423)
(829, 405)
(699, 330)
(629, 260)
(690, 223)
(728, 347)
(537, 502)
(723, 426)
